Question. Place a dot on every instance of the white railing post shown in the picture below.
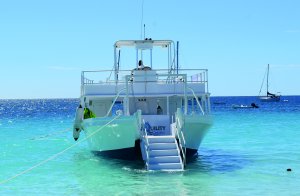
(168, 107)
(208, 103)
(206, 72)
(185, 96)
(127, 96)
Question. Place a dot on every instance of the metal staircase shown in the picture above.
(162, 153)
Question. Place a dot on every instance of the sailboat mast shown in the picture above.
(268, 81)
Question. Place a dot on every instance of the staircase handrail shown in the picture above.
(197, 100)
(182, 143)
(146, 141)
(182, 148)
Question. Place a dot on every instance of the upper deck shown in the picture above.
(145, 79)
(144, 83)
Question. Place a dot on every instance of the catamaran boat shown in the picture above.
(159, 115)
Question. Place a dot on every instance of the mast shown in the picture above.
(268, 81)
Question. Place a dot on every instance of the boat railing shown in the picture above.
(161, 75)
(180, 135)
(88, 81)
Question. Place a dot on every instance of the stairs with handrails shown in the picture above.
(162, 153)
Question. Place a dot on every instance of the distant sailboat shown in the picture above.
(270, 97)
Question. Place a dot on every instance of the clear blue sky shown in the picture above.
(44, 45)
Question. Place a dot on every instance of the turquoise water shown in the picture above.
(246, 152)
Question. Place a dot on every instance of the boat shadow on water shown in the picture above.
(206, 161)
(135, 163)
(217, 161)
(89, 161)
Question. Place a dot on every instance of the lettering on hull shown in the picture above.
(150, 128)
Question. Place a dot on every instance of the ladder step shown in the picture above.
(155, 153)
(165, 166)
(164, 159)
(162, 146)
(161, 139)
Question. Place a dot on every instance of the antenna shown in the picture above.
(177, 51)
(142, 20)
(144, 30)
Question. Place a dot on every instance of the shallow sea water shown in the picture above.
(246, 152)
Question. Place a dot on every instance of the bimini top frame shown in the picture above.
(142, 46)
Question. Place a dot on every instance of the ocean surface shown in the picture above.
(246, 152)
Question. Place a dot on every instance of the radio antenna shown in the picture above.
(144, 31)
(142, 20)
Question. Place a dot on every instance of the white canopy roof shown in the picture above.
(143, 44)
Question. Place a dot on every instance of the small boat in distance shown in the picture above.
(253, 105)
(270, 97)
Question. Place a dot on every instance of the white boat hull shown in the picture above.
(269, 99)
(120, 134)
(242, 106)
(195, 129)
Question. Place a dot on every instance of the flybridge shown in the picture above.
(144, 53)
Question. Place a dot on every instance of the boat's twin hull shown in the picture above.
(195, 128)
(121, 138)
(131, 153)
(121, 133)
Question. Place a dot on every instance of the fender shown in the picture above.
(77, 122)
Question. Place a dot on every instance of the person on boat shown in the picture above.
(159, 110)
(141, 65)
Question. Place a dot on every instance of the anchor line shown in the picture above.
(57, 154)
